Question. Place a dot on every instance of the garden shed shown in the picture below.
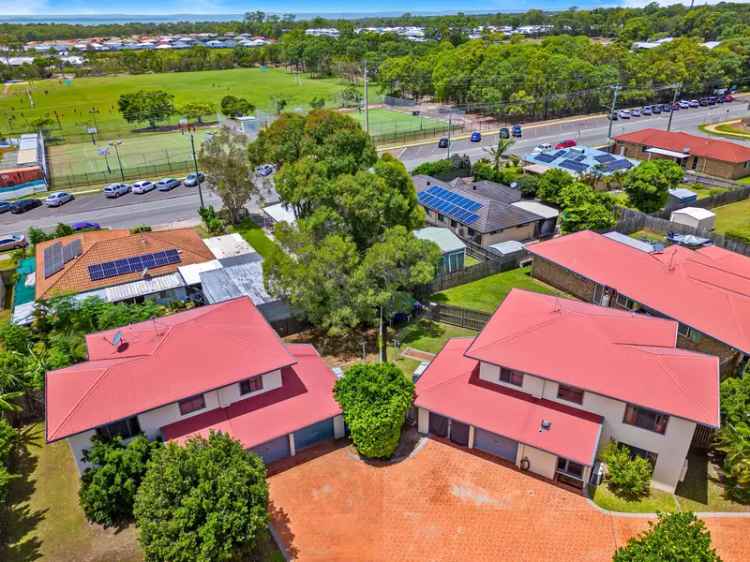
(451, 246)
(695, 217)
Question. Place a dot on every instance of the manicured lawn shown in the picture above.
(388, 121)
(745, 180)
(43, 518)
(469, 261)
(648, 236)
(426, 335)
(735, 216)
(702, 489)
(73, 103)
(486, 294)
(703, 191)
(255, 237)
(655, 501)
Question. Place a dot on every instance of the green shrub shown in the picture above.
(213, 223)
(109, 486)
(676, 537)
(628, 477)
(741, 235)
(140, 228)
(8, 442)
(375, 399)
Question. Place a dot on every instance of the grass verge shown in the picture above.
(256, 237)
(655, 501)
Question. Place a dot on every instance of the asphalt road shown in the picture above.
(182, 202)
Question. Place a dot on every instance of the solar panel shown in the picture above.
(437, 198)
(71, 250)
(580, 158)
(53, 259)
(546, 158)
(619, 165)
(133, 264)
(604, 158)
(574, 166)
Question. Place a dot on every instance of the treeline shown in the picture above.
(562, 74)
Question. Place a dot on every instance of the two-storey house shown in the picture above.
(706, 290)
(216, 368)
(550, 381)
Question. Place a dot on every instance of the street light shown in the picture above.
(115, 145)
(197, 173)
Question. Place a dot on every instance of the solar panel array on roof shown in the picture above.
(72, 250)
(604, 158)
(135, 264)
(546, 158)
(452, 204)
(574, 166)
(580, 158)
(53, 259)
(619, 165)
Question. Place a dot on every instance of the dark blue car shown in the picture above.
(476, 136)
(516, 131)
(85, 225)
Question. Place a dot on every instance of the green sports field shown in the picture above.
(87, 102)
(392, 123)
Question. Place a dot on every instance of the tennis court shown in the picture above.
(388, 123)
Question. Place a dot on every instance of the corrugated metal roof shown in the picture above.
(280, 212)
(443, 237)
(220, 285)
(192, 273)
(228, 245)
(537, 208)
(630, 241)
(144, 287)
(508, 247)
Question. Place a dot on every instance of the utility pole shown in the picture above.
(674, 100)
(450, 126)
(616, 89)
(197, 173)
(115, 145)
(367, 103)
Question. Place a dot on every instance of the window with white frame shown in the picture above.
(570, 394)
(645, 418)
(253, 384)
(192, 404)
(511, 376)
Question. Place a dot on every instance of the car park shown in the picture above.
(24, 205)
(635, 112)
(624, 114)
(143, 186)
(5, 206)
(191, 180)
(516, 131)
(267, 169)
(85, 225)
(476, 136)
(114, 190)
(167, 184)
(13, 241)
(711, 100)
(567, 143)
(656, 109)
(58, 198)
(666, 107)
(703, 102)
(504, 133)
(444, 142)
(647, 110)
(543, 147)
(694, 103)
(684, 104)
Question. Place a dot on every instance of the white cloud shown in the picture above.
(23, 8)
(641, 3)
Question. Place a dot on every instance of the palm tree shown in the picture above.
(6, 401)
(498, 151)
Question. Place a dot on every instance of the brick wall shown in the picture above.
(728, 357)
(563, 279)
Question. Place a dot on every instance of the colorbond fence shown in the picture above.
(457, 316)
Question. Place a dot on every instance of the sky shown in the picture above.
(79, 7)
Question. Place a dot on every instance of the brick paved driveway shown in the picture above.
(445, 504)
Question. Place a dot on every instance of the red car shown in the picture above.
(728, 98)
(565, 144)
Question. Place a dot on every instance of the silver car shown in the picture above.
(114, 190)
(13, 241)
(143, 186)
(167, 184)
(58, 198)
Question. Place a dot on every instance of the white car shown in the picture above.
(143, 186)
(544, 147)
(265, 170)
(114, 190)
(58, 198)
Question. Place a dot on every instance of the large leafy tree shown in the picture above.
(146, 105)
(648, 184)
(733, 439)
(109, 485)
(197, 110)
(551, 184)
(374, 399)
(232, 106)
(224, 160)
(675, 537)
(206, 500)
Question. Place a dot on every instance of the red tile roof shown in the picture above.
(697, 146)
(161, 361)
(621, 355)
(708, 290)
(451, 387)
(305, 397)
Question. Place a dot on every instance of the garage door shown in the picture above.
(438, 425)
(312, 434)
(273, 450)
(495, 444)
(460, 433)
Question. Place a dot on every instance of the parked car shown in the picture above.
(636, 112)
(624, 114)
(13, 241)
(58, 198)
(443, 142)
(476, 136)
(167, 184)
(728, 98)
(646, 110)
(567, 143)
(684, 104)
(24, 205)
(711, 100)
(543, 147)
(5, 206)
(656, 109)
(265, 170)
(613, 116)
(666, 107)
(703, 102)
(194, 179)
(694, 103)
(114, 190)
(143, 186)
(504, 133)
(85, 225)
(676, 106)
(516, 131)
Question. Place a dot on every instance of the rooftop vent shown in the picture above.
(546, 425)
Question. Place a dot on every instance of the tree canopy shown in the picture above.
(232, 106)
(144, 105)
(206, 500)
(648, 184)
(374, 399)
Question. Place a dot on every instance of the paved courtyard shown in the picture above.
(445, 504)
